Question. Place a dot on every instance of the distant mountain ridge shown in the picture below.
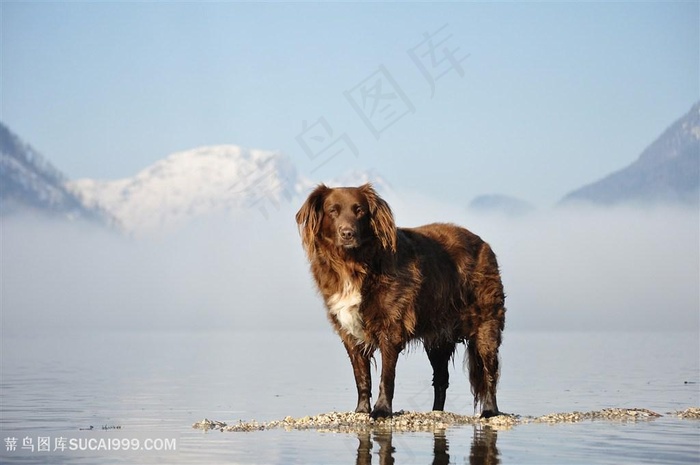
(29, 183)
(169, 193)
(667, 171)
(502, 204)
(200, 182)
(192, 183)
(229, 178)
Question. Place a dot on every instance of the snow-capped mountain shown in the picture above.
(29, 183)
(193, 183)
(171, 192)
(201, 182)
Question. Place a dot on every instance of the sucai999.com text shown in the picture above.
(46, 444)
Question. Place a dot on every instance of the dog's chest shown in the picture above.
(345, 306)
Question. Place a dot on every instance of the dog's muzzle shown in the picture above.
(347, 237)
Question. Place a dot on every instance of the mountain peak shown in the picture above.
(667, 171)
(673, 142)
(192, 183)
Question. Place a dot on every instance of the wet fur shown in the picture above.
(385, 287)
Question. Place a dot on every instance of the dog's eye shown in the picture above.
(333, 211)
(359, 211)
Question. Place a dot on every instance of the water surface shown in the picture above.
(154, 385)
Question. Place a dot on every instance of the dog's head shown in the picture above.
(346, 217)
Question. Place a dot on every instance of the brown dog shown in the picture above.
(385, 286)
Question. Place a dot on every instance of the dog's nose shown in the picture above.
(347, 234)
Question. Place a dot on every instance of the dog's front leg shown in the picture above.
(390, 354)
(360, 360)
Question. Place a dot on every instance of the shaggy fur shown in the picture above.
(385, 286)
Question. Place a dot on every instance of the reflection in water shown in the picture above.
(483, 449)
(440, 447)
(364, 450)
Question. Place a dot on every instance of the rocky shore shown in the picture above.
(431, 421)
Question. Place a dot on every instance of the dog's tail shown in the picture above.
(481, 359)
(474, 364)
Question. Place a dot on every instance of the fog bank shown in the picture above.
(563, 269)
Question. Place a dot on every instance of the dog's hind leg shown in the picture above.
(439, 357)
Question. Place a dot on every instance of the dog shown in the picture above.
(385, 286)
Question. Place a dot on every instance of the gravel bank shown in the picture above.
(431, 421)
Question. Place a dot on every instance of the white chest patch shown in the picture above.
(345, 306)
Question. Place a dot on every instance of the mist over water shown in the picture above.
(563, 269)
(603, 269)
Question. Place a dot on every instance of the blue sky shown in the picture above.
(539, 99)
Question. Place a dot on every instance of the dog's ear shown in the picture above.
(381, 218)
(309, 218)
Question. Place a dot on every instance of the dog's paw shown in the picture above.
(490, 413)
(380, 412)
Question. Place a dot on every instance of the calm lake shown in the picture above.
(86, 398)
